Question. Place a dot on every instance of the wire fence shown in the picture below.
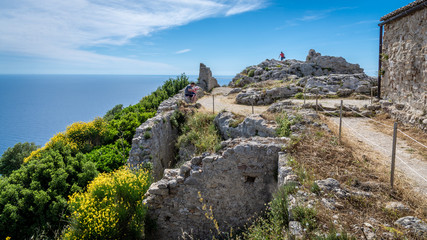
(356, 132)
(318, 106)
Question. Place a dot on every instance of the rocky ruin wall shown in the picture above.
(154, 142)
(405, 61)
(228, 189)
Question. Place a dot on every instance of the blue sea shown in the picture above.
(33, 108)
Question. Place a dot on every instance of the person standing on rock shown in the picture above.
(282, 56)
(190, 92)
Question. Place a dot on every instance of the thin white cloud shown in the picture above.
(311, 16)
(182, 51)
(62, 29)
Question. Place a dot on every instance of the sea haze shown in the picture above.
(35, 107)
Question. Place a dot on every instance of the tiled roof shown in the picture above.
(402, 9)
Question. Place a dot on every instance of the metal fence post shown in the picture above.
(317, 98)
(303, 93)
(213, 104)
(340, 121)
(252, 107)
(393, 154)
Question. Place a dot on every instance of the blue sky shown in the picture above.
(174, 36)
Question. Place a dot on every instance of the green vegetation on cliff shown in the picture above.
(33, 199)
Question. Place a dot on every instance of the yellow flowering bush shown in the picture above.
(79, 136)
(111, 208)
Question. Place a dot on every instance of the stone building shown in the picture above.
(403, 58)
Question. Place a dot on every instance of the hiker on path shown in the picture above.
(282, 56)
(190, 92)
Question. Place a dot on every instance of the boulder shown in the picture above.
(413, 224)
(253, 125)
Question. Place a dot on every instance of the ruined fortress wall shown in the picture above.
(405, 61)
(227, 189)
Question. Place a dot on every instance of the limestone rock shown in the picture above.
(397, 206)
(253, 125)
(332, 64)
(296, 230)
(315, 65)
(413, 224)
(206, 81)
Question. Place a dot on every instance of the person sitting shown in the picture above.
(190, 92)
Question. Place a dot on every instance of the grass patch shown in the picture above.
(200, 131)
(299, 95)
(236, 121)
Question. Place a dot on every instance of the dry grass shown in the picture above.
(357, 168)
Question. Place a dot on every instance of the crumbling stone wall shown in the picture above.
(405, 62)
(236, 183)
(154, 141)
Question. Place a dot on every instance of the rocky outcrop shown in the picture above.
(315, 65)
(340, 84)
(332, 64)
(253, 125)
(266, 96)
(413, 224)
(206, 81)
(229, 187)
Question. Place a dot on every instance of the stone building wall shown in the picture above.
(405, 62)
(231, 187)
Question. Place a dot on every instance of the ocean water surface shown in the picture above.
(35, 107)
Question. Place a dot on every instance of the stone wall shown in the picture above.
(236, 184)
(154, 141)
(405, 62)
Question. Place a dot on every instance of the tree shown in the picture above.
(13, 157)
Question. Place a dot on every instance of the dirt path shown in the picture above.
(223, 102)
(408, 162)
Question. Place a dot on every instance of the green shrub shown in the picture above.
(251, 73)
(306, 216)
(111, 208)
(13, 157)
(285, 123)
(147, 135)
(200, 131)
(113, 112)
(271, 226)
(299, 95)
(33, 198)
(110, 157)
(314, 188)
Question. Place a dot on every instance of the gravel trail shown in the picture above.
(408, 162)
